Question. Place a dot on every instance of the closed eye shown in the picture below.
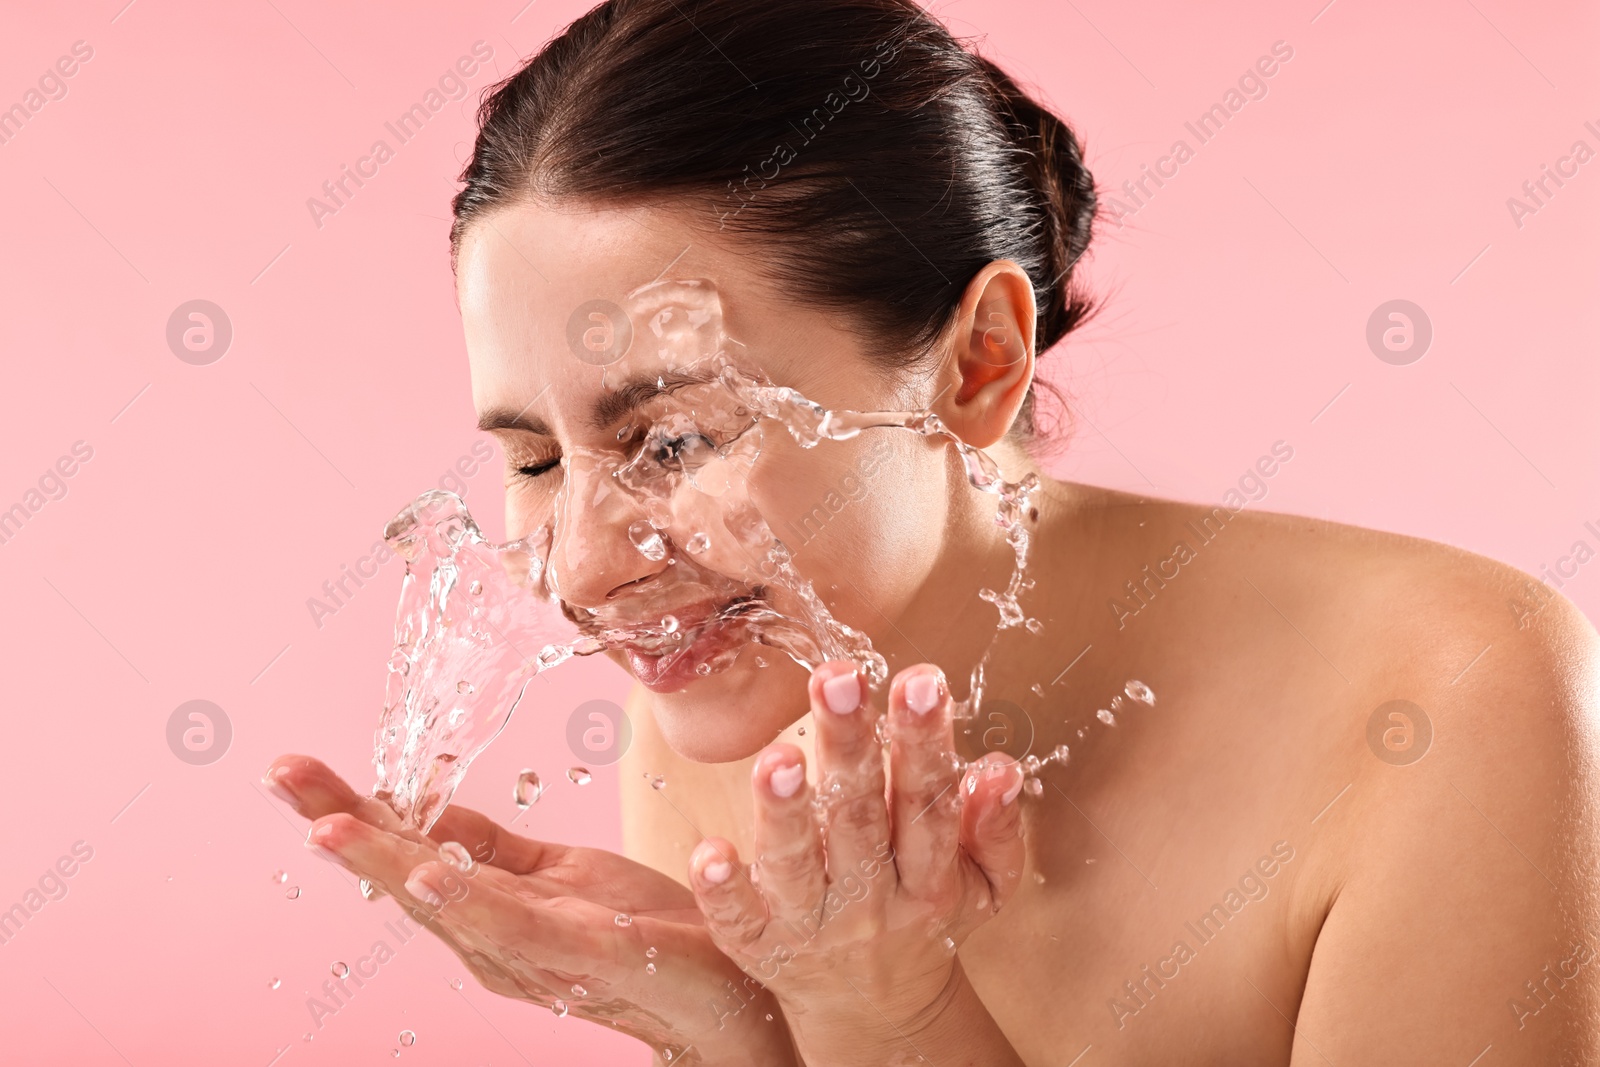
(536, 469)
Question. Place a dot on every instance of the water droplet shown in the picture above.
(464, 686)
(395, 1053)
(1033, 787)
(699, 544)
(1137, 690)
(669, 623)
(658, 782)
(455, 983)
(760, 662)
(368, 890)
(1117, 702)
(703, 670)
(949, 947)
(649, 968)
(456, 855)
(1081, 731)
(527, 789)
(579, 775)
(769, 1016)
(340, 969)
(623, 920)
(650, 953)
(560, 1008)
(275, 983)
(1038, 690)
(1060, 754)
(306, 1036)
(1106, 717)
(1034, 626)
(579, 991)
(280, 876)
(407, 1039)
(1089, 860)
(801, 731)
(647, 539)
(1038, 879)
(476, 588)
(293, 892)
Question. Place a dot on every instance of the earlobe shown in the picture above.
(991, 362)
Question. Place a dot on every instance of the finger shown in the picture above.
(734, 910)
(488, 842)
(850, 771)
(926, 780)
(991, 826)
(313, 789)
(382, 858)
(788, 844)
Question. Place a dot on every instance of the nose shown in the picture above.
(592, 557)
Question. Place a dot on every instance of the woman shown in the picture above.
(1259, 869)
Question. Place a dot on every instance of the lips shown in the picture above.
(704, 650)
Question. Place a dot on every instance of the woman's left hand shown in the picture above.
(852, 919)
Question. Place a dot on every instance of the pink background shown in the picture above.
(220, 497)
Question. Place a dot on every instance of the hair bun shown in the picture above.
(1053, 161)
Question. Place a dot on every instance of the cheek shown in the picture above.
(860, 518)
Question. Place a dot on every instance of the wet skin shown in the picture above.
(1370, 911)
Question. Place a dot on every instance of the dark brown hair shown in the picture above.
(879, 163)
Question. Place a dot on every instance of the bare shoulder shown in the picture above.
(1414, 606)
(1467, 851)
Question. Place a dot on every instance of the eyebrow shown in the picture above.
(607, 410)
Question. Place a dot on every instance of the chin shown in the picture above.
(734, 713)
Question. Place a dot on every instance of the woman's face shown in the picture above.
(863, 518)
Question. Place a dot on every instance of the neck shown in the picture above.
(950, 624)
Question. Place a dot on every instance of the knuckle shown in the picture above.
(859, 814)
(793, 863)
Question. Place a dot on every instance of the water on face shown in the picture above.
(479, 622)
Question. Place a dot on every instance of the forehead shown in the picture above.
(527, 273)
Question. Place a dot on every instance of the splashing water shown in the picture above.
(527, 790)
(479, 622)
(456, 855)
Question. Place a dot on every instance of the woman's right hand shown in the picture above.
(547, 923)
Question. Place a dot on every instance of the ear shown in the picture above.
(989, 366)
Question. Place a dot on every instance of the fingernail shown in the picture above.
(1011, 794)
(922, 693)
(716, 872)
(842, 693)
(314, 842)
(276, 786)
(424, 892)
(785, 781)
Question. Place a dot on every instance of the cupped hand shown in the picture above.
(611, 940)
(865, 886)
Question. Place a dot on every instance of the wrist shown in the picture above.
(952, 1028)
(756, 1033)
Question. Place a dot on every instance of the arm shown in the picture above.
(1469, 924)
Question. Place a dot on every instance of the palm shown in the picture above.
(609, 881)
(577, 929)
